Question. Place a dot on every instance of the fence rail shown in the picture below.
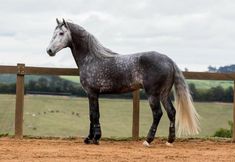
(21, 70)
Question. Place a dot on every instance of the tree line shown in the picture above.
(222, 69)
(56, 85)
(217, 93)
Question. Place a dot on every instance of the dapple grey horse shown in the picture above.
(103, 71)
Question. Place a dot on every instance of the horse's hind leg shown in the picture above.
(157, 114)
(166, 102)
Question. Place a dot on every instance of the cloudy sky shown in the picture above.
(194, 33)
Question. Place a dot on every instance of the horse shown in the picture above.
(103, 71)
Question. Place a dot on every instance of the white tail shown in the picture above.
(187, 118)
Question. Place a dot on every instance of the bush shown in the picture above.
(223, 133)
(226, 133)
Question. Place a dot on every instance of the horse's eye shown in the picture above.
(61, 33)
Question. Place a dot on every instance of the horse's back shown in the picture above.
(155, 59)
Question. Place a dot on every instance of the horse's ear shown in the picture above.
(57, 20)
(64, 23)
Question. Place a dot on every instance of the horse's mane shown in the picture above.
(87, 40)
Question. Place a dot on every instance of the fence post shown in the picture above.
(136, 110)
(19, 101)
(233, 140)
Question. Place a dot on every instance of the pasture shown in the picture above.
(68, 116)
(200, 84)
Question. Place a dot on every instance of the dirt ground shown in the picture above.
(55, 150)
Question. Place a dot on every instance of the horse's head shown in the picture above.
(61, 38)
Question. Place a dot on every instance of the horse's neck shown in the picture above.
(86, 48)
(81, 56)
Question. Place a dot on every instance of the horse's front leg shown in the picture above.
(95, 130)
(89, 138)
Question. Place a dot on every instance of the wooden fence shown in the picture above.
(21, 70)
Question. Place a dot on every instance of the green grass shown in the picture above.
(75, 79)
(56, 116)
(200, 84)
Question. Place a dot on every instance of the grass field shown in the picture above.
(207, 84)
(200, 84)
(68, 116)
(75, 79)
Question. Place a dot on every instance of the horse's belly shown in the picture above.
(120, 88)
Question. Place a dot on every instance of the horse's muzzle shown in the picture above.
(50, 52)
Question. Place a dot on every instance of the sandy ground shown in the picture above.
(43, 150)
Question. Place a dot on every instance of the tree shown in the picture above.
(193, 90)
(228, 96)
(226, 69)
(212, 69)
(42, 84)
(216, 94)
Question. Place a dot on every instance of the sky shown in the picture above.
(194, 33)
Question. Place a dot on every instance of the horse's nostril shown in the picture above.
(49, 51)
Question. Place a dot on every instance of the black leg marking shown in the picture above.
(171, 137)
(171, 115)
(95, 130)
(89, 139)
(157, 114)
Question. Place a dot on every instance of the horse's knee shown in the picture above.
(170, 109)
(172, 113)
(157, 115)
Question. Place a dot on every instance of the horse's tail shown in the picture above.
(187, 118)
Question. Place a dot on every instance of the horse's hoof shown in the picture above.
(146, 144)
(88, 141)
(96, 142)
(169, 144)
